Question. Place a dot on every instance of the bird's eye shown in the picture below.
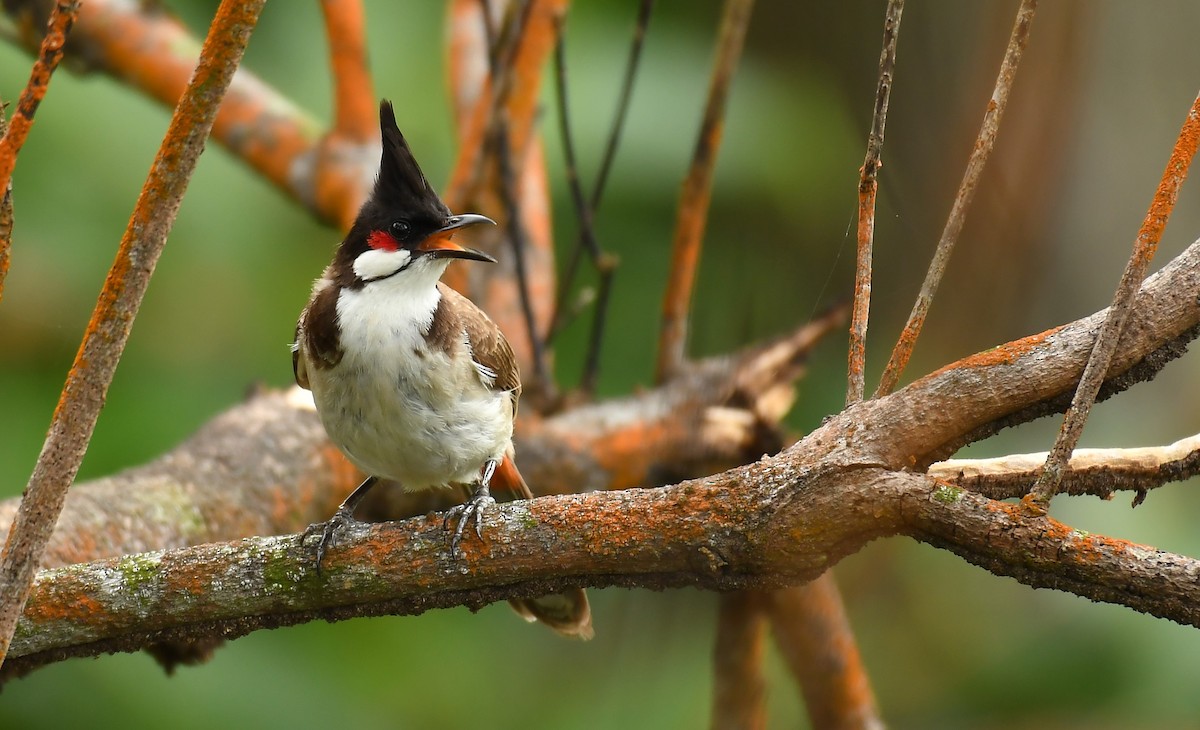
(400, 228)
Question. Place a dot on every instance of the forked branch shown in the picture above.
(962, 201)
(697, 192)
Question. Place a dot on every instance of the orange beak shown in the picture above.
(439, 245)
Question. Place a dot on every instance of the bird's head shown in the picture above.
(404, 226)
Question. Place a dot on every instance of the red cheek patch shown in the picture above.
(382, 241)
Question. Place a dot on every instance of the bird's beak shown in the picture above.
(439, 245)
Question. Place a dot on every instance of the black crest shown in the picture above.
(401, 185)
(401, 193)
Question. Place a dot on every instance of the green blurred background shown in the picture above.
(1098, 101)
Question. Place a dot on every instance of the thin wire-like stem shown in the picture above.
(6, 215)
(962, 201)
(605, 264)
(739, 691)
(697, 192)
(868, 187)
(62, 17)
(1144, 248)
(645, 10)
(516, 236)
(562, 312)
(88, 380)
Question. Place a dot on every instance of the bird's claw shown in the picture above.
(327, 529)
(472, 508)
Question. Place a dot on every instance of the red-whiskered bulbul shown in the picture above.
(411, 380)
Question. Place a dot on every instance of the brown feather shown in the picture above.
(318, 333)
(455, 315)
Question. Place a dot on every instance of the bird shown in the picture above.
(411, 380)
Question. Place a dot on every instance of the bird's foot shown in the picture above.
(473, 508)
(340, 520)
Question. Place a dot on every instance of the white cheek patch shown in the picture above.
(377, 263)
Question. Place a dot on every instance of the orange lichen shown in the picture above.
(1007, 354)
(692, 216)
(82, 609)
(62, 17)
(624, 455)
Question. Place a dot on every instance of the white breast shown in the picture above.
(400, 409)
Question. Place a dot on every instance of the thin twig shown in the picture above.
(62, 17)
(562, 312)
(353, 93)
(6, 214)
(6, 229)
(1144, 248)
(605, 263)
(503, 54)
(868, 186)
(509, 96)
(622, 112)
(966, 191)
(516, 236)
(88, 380)
(814, 636)
(739, 690)
(697, 192)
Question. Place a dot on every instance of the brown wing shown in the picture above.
(488, 344)
(317, 340)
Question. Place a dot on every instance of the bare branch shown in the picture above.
(1144, 248)
(868, 186)
(1003, 538)
(584, 209)
(739, 692)
(353, 95)
(966, 191)
(542, 380)
(605, 265)
(354, 135)
(62, 17)
(1098, 472)
(778, 522)
(815, 638)
(87, 382)
(697, 191)
(645, 9)
(6, 216)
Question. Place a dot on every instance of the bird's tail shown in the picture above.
(569, 614)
